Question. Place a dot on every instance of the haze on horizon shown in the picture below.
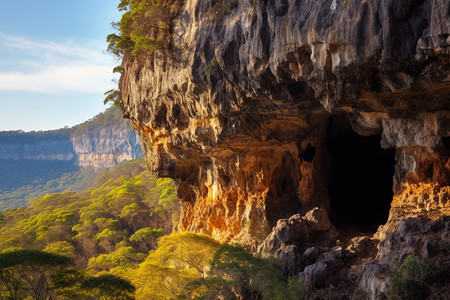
(53, 65)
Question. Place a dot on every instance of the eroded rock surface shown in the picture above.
(296, 235)
(242, 111)
(413, 236)
(106, 147)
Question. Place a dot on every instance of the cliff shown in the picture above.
(105, 141)
(101, 142)
(50, 145)
(249, 115)
(264, 109)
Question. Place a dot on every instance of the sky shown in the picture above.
(54, 67)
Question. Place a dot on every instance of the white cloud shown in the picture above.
(56, 67)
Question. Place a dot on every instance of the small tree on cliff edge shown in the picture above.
(145, 26)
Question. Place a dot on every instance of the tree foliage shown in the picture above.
(147, 237)
(144, 27)
(108, 286)
(237, 273)
(94, 221)
(179, 259)
(32, 272)
(126, 257)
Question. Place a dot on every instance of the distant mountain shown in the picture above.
(33, 164)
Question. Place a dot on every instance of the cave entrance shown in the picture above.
(360, 186)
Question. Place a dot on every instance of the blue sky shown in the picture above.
(53, 65)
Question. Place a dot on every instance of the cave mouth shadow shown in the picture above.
(361, 181)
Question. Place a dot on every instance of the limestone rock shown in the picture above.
(318, 220)
(239, 112)
(338, 252)
(315, 274)
(360, 246)
(331, 260)
(430, 249)
(310, 255)
(374, 280)
(424, 200)
(291, 236)
(414, 236)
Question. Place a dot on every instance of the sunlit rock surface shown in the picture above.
(243, 111)
(106, 147)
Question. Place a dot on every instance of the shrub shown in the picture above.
(221, 9)
(413, 279)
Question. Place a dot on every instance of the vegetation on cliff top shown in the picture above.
(33, 137)
(145, 26)
(110, 118)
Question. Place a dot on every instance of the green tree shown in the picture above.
(236, 271)
(113, 96)
(61, 248)
(180, 258)
(131, 211)
(414, 279)
(168, 201)
(147, 237)
(108, 286)
(125, 257)
(144, 27)
(33, 272)
(108, 238)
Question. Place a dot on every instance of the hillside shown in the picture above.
(120, 202)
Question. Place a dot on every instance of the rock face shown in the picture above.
(48, 148)
(106, 147)
(257, 112)
(296, 235)
(414, 236)
(101, 142)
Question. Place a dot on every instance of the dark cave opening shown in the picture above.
(360, 186)
(309, 153)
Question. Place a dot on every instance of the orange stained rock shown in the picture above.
(232, 214)
(424, 200)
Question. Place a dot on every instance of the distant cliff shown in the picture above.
(45, 145)
(103, 141)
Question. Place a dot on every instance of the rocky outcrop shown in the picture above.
(106, 147)
(425, 200)
(423, 239)
(251, 108)
(296, 235)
